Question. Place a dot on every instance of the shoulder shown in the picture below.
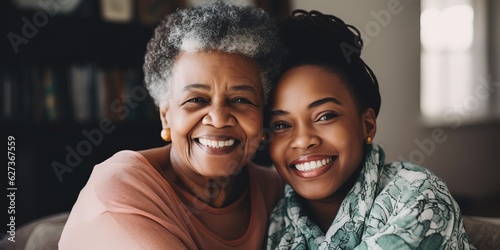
(395, 170)
(407, 171)
(125, 180)
(409, 182)
(268, 182)
(264, 171)
(400, 175)
(157, 157)
(122, 165)
(402, 180)
(124, 183)
(265, 176)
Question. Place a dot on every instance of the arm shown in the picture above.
(126, 205)
(119, 231)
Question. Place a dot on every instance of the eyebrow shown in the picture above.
(310, 106)
(246, 88)
(323, 101)
(279, 112)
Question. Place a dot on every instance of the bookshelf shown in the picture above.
(62, 77)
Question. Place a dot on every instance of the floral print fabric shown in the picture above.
(391, 206)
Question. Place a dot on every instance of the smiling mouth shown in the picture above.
(216, 143)
(312, 165)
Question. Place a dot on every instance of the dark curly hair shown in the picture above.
(314, 38)
(217, 26)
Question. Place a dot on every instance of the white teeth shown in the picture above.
(216, 144)
(312, 165)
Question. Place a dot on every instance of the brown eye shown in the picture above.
(277, 126)
(242, 100)
(197, 100)
(328, 116)
(195, 103)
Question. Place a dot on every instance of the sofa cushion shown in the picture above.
(483, 232)
(40, 234)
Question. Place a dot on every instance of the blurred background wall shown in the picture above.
(76, 71)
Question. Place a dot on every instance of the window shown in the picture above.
(455, 82)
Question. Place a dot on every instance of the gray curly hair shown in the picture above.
(217, 26)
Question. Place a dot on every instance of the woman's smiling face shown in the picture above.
(214, 112)
(318, 131)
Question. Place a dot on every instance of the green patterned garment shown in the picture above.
(391, 206)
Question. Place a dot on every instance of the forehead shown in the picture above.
(210, 67)
(305, 84)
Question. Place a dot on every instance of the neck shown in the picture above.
(323, 211)
(214, 191)
(218, 191)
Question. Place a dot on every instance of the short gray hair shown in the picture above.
(217, 26)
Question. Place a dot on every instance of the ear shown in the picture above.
(369, 120)
(163, 107)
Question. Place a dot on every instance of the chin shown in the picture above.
(314, 191)
(310, 194)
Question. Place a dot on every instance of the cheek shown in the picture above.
(252, 125)
(183, 123)
(277, 150)
(347, 140)
(345, 134)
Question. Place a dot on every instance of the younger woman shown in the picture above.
(341, 193)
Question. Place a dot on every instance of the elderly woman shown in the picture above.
(208, 69)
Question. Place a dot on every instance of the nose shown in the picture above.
(219, 117)
(305, 138)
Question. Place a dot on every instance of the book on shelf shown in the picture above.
(152, 11)
(37, 95)
(10, 96)
(81, 92)
(120, 95)
(120, 11)
(7, 95)
(50, 94)
(26, 88)
(131, 81)
(108, 91)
